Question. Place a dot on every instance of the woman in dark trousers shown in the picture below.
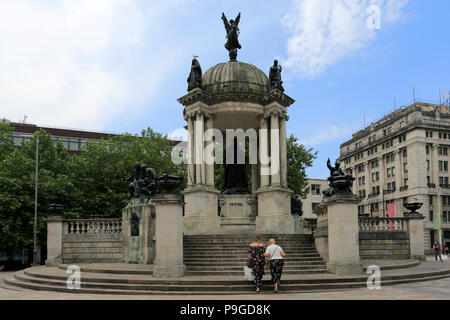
(256, 255)
(275, 254)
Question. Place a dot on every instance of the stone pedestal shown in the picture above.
(54, 240)
(343, 234)
(274, 211)
(201, 211)
(416, 236)
(237, 213)
(169, 236)
(138, 248)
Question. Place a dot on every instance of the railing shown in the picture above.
(93, 226)
(383, 224)
(373, 195)
(403, 188)
(431, 185)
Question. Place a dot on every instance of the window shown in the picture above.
(443, 165)
(428, 165)
(443, 151)
(405, 153)
(388, 172)
(402, 124)
(427, 149)
(431, 199)
(405, 167)
(428, 180)
(405, 182)
(315, 189)
(393, 171)
(393, 186)
(375, 176)
(443, 181)
(431, 216)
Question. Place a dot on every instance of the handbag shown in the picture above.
(248, 273)
(268, 262)
(249, 262)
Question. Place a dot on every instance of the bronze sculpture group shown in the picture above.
(144, 182)
(339, 182)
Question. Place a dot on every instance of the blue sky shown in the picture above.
(119, 65)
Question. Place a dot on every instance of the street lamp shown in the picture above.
(35, 204)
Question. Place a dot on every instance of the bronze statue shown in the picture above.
(336, 170)
(275, 76)
(134, 224)
(339, 182)
(235, 175)
(142, 181)
(232, 36)
(195, 77)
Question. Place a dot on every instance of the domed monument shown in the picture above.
(236, 104)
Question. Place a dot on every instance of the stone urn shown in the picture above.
(169, 184)
(413, 207)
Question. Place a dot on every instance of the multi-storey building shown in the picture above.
(315, 186)
(71, 139)
(403, 158)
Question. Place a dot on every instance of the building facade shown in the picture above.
(315, 186)
(403, 158)
(71, 139)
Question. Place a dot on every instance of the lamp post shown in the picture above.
(35, 204)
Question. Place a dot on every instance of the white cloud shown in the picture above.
(82, 63)
(331, 133)
(51, 60)
(324, 32)
(180, 134)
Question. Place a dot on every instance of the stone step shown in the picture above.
(240, 268)
(226, 290)
(240, 259)
(241, 273)
(196, 255)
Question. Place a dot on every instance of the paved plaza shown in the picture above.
(428, 290)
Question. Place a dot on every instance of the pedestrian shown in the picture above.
(446, 250)
(276, 262)
(437, 250)
(257, 261)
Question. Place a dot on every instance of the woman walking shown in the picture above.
(257, 260)
(275, 254)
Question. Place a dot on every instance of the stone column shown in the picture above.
(209, 167)
(434, 165)
(255, 185)
(54, 240)
(191, 151)
(199, 146)
(274, 150)
(416, 236)
(283, 151)
(343, 234)
(169, 236)
(263, 152)
(398, 171)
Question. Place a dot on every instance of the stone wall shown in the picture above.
(92, 241)
(384, 245)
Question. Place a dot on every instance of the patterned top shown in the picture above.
(257, 256)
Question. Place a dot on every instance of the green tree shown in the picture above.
(298, 159)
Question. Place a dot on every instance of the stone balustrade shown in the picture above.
(383, 224)
(92, 226)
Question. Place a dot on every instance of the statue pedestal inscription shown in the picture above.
(138, 229)
(237, 212)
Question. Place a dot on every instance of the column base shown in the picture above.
(274, 211)
(169, 271)
(418, 257)
(345, 269)
(201, 210)
(53, 262)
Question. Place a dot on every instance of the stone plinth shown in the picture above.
(201, 211)
(54, 240)
(416, 236)
(169, 236)
(138, 248)
(343, 234)
(274, 211)
(237, 213)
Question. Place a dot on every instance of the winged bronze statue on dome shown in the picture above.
(232, 35)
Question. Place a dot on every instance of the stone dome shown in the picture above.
(235, 77)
